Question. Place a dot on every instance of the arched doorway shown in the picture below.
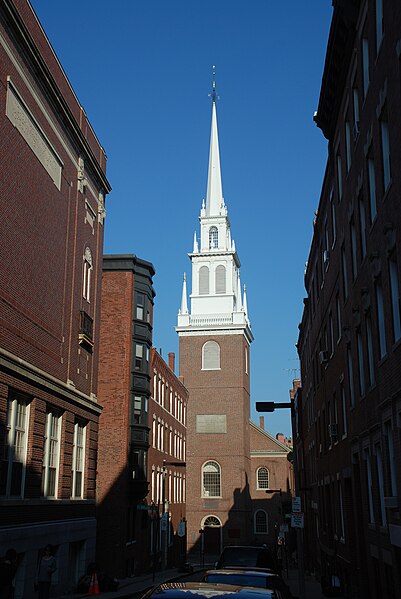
(211, 536)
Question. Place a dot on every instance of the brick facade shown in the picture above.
(349, 406)
(168, 408)
(124, 392)
(52, 187)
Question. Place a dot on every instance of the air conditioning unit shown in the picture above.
(355, 130)
(323, 357)
(333, 430)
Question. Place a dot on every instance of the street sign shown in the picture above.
(181, 529)
(164, 521)
(296, 504)
(297, 520)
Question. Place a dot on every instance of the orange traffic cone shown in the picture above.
(93, 585)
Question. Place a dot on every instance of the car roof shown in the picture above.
(262, 572)
(179, 590)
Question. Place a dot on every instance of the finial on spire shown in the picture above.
(213, 95)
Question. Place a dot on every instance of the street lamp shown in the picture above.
(270, 406)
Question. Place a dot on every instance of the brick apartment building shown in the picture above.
(52, 192)
(223, 475)
(166, 462)
(124, 393)
(349, 408)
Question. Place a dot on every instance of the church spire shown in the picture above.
(214, 196)
(184, 305)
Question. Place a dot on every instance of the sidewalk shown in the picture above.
(313, 589)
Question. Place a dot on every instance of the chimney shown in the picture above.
(262, 422)
(171, 360)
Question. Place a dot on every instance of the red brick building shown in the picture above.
(124, 392)
(52, 190)
(223, 464)
(166, 461)
(348, 410)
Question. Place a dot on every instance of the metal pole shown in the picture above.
(300, 540)
(165, 520)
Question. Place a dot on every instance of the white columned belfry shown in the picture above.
(216, 295)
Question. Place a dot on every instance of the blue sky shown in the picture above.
(142, 71)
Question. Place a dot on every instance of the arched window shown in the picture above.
(211, 356)
(86, 287)
(260, 523)
(211, 484)
(263, 478)
(220, 279)
(213, 238)
(212, 521)
(203, 280)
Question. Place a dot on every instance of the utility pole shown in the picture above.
(270, 406)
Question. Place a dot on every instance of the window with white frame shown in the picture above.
(341, 526)
(380, 483)
(354, 261)
(348, 144)
(361, 369)
(380, 319)
(344, 408)
(213, 238)
(365, 65)
(350, 378)
(15, 447)
(51, 455)
(261, 523)
(338, 310)
(391, 481)
(339, 178)
(395, 296)
(385, 140)
(211, 356)
(211, 480)
(344, 272)
(369, 347)
(369, 486)
(372, 187)
(140, 306)
(379, 23)
(262, 478)
(78, 461)
(87, 272)
(362, 224)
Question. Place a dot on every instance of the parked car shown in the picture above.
(247, 556)
(250, 578)
(206, 590)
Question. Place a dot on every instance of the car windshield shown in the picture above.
(246, 556)
(242, 579)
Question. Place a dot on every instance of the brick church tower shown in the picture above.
(214, 347)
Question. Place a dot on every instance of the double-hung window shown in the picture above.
(15, 448)
(78, 461)
(51, 455)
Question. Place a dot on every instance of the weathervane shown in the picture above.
(213, 95)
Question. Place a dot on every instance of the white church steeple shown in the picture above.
(216, 297)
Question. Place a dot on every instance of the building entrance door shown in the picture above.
(212, 536)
